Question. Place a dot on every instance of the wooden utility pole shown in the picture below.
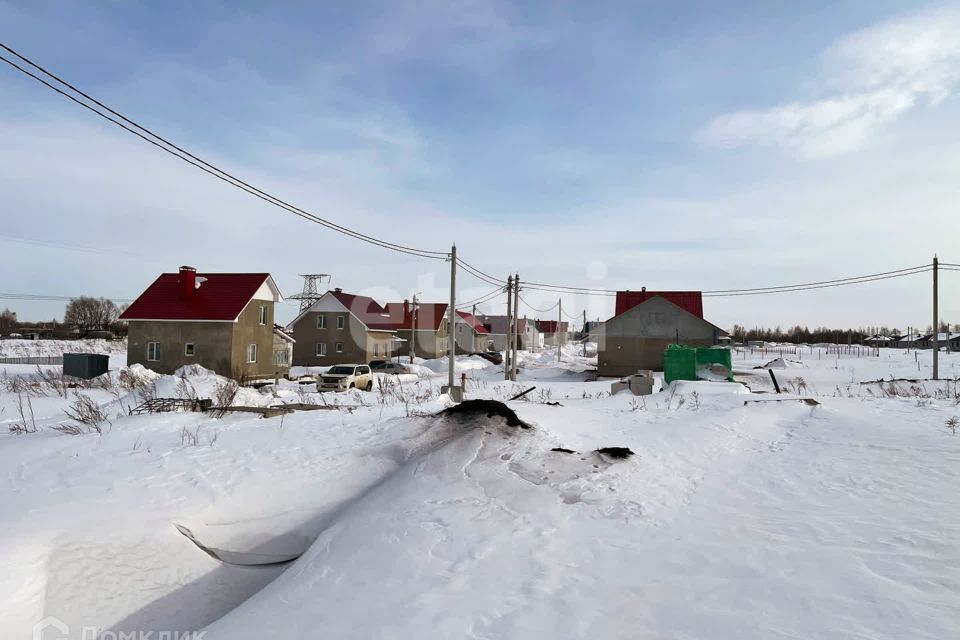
(451, 324)
(586, 335)
(506, 351)
(413, 328)
(559, 320)
(936, 323)
(516, 325)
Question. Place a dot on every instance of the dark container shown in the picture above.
(85, 365)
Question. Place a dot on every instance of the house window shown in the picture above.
(339, 347)
(251, 353)
(376, 350)
(321, 322)
(282, 358)
(188, 349)
(263, 315)
(340, 322)
(321, 348)
(153, 352)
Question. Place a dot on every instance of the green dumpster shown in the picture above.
(679, 363)
(715, 355)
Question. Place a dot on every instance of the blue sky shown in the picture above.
(690, 145)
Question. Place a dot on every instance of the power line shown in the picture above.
(823, 286)
(536, 309)
(917, 269)
(477, 273)
(484, 298)
(188, 157)
(199, 162)
(48, 298)
(717, 293)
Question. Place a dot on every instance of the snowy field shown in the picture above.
(737, 517)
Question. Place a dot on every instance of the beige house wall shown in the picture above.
(248, 330)
(220, 346)
(429, 344)
(213, 342)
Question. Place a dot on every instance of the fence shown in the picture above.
(53, 360)
(798, 352)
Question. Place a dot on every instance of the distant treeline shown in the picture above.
(800, 334)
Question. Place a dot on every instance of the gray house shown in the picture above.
(637, 338)
(342, 328)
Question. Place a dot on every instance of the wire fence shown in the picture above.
(33, 360)
(799, 352)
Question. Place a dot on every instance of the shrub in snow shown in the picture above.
(24, 426)
(88, 413)
(952, 424)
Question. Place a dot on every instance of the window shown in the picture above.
(339, 347)
(321, 348)
(363, 370)
(321, 322)
(251, 353)
(188, 349)
(153, 351)
(376, 350)
(340, 322)
(263, 315)
(282, 359)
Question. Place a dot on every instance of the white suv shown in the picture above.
(346, 376)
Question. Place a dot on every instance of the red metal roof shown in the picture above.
(429, 315)
(471, 320)
(691, 301)
(366, 309)
(550, 326)
(220, 296)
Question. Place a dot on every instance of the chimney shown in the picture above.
(338, 290)
(187, 282)
(406, 307)
(643, 289)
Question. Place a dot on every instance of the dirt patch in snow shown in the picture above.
(616, 452)
(470, 409)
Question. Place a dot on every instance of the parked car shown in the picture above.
(389, 367)
(376, 363)
(490, 356)
(346, 376)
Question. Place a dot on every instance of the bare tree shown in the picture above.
(8, 321)
(87, 313)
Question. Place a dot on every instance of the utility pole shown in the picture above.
(936, 323)
(516, 327)
(559, 320)
(585, 334)
(506, 351)
(413, 328)
(455, 393)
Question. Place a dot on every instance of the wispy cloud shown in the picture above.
(869, 79)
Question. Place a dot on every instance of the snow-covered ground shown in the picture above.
(737, 517)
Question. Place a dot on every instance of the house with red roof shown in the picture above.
(645, 323)
(422, 326)
(554, 332)
(221, 321)
(344, 328)
(471, 334)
